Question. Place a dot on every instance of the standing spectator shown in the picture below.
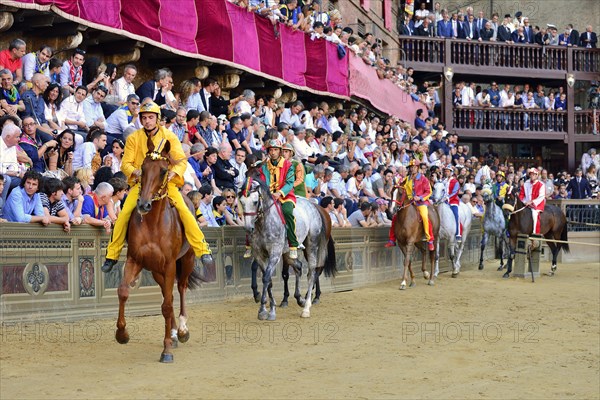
(421, 14)
(588, 38)
(71, 73)
(94, 210)
(37, 62)
(72, 199)
(10, 59)
(24, 204)
(123, 87)
(579, 187)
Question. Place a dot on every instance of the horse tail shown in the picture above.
(330, 261)
(194, 279)
(563, 236)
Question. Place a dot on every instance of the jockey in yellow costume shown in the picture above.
(136, 149)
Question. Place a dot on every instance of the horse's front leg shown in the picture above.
(428, 274)
(484, 239)
(407, 252)
(132, 269)
(166, 282)
(437, 258)
(511, 255)
(187, 264)
(458, 254)
(317, 298)
(267, 279)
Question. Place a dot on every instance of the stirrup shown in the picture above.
(390, 243)
(459, 238)
(293, 254)
(248, 252)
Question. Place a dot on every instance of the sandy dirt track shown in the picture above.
(477, 336)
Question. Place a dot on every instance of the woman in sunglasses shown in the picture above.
(231, 208)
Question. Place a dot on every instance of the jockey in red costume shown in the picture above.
(533, 195)
(418, 190)
(452, 189)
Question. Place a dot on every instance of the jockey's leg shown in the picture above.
(117, 239)
(426, 225)
(287, 208)
(392, 241)
(536, 215)
(193, 233)
(454, 208)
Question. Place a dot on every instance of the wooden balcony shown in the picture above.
(498, 58)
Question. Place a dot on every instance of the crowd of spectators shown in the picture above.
(65, 125)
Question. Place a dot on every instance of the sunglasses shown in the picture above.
(135, 103)
(230, 197)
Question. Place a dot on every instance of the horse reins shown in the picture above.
(162, 191)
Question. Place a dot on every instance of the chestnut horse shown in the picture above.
(409, 233)
(156, 242)
(553, 226)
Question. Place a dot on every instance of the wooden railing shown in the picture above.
(509, 119)
(431, 52)
(584, 122)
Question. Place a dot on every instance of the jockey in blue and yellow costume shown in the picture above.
(452, 189)
(279, 174)
(136, 148)
(500, 189)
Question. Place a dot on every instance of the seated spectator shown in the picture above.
(9, 165)
(195, 197)
(206, 205)
(291, 116)
(37, 62)
(208, 177)
(219, 212)
(10, 99)
(123, 118)
(62, 163)
(120, 189)
(88, 154)
(1, 199)
(359, 217)
(71, 73)
(123, 87)
(35, 105)
(72, 199)
(235, 135)
(92, 108)
(94, 210)
(35, 145)
(246, 103)
(157, 88)
(52, 204)
(224, 172)
(52, 112)
(72, 109)
(10, 59)
(115, 158)
(239, 163)
(24, 203)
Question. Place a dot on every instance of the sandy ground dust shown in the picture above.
(477, 336)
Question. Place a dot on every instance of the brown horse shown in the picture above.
(553, 226)
(409, 233)
(156, 242)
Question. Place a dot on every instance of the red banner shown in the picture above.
(216, 31)
(382, 93)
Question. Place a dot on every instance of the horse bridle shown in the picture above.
(162, 191)
(260, 210)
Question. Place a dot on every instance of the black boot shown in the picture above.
(108, 265)
(207, 261)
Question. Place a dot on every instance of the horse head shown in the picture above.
(251, 200)
(155, 174)
(487, 194)
(439, 192)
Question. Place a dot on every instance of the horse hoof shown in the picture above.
(263, 315)
(257, 298)
(283, 304)
(425, 275)
(316, 301)
(183, 337)
(506, 275)
(454, 274)
(500, 268)
(301, 302)
(431, 283)
(174, 342)
(122, 337)
(166, 358)
(412, 284)
(403, 286)
(271, 317)
(305, 314)
(480, 267)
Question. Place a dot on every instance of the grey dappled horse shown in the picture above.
(448, 227)
(263, 220)
(493, 223)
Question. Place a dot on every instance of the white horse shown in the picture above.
(448, 227)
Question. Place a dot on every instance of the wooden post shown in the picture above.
(570, 115)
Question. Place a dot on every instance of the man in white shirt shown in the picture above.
(245, 105)
(335, 120)
(483, 100)
(238, 163)
(301, 148)
(92, 108)
(307, 117)
(468, 95)
(85, 153)
(9, 166)
(72, 108)
(421, 14)
(123, 86)
(291, 115)
(124, 117)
